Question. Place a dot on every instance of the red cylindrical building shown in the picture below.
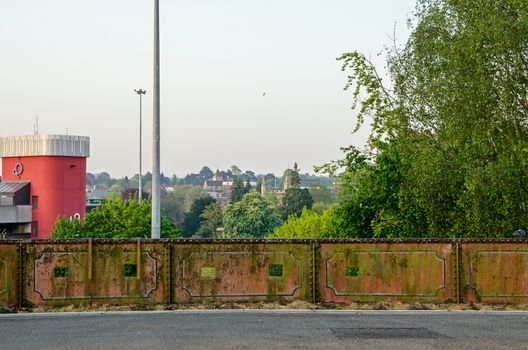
(56, 167)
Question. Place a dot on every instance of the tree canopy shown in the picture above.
(115, 219)
(176, 203)
(308, 225)
(239, 189)
(211, 219)
(193, 219)
(252, 216)
(447, 155)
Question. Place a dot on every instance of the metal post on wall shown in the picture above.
(140, 186)
(156, 130)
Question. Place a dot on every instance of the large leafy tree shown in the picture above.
(176, 203)
(115, 219)
(235, 170)
(193, 219)
(308, 225)
(253, 216)
(212, 219)
(206, 173)
(239, 189)
(295, 177)
(447, 152)
(295, 199)
(321, 194)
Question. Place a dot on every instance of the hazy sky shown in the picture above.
(75, 65)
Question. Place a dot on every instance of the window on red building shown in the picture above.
(34, 200)
(34, 228)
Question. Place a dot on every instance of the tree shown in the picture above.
(176, 203)
(193, 220)
(238, 190)
(253, 216)
(206, 173)
(447, 150)
(212, 218)
(250, 175)
(115, 219)
(90, 179)
(321, 194)
(147, 177)
(68, 228)
(235, 170)
(295, 180)
(320, 207)
(308, 225)
(370, 193)
(104, 180)
(247, 187)
(116, 187)
(294, 200)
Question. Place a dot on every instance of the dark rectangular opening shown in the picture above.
(34, 202)
(352, 271)
(275, 270)
(130, 270)
(60, 272)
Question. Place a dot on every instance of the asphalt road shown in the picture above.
(261, 329)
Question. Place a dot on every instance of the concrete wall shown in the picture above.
(9, 274)
(494, 272)
(241, 271)
(46, 272)
(384, 271)
(75, 273)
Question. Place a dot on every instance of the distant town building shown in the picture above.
(278, 192)
(219, 188)
(95, 196)
(96, 192)
(306, 183)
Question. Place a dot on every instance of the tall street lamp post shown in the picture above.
(140, 93)
(156, 130)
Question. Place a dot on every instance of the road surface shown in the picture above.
(266, 329)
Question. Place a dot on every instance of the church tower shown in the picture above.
(286, 182)
(217, 176)
(263, 189)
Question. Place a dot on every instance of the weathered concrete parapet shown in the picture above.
(74, 273)
(9, 267)
(136, 272)
(241, 271)
(367, 272)
(495, 272)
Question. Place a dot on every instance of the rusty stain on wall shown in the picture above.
(400, 271)
(8, 275)
(495, 273)
(240, 271)
(60, 274)
(34, 273)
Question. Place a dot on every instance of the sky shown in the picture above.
(75, 65)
